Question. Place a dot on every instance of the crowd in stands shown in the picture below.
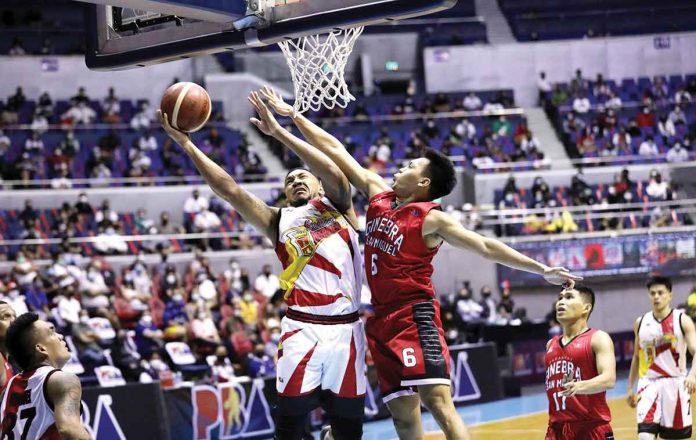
(63, 143)
(654, 119)
(581, 207)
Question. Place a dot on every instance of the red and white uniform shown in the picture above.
(26, 412)
(405, 336)
(585, 416)
(664, 407)
(322, 340)
(8, 372)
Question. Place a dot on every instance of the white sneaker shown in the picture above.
(325, 433)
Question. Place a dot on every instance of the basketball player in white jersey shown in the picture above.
(663, 396)
(321, 354)
(42, 402)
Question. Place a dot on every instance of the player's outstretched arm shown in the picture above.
(438, 223)
(690, 338)
(64, 390)
(334, 182)
(251, 208)
(631, 397)
(365, 181)
(605, 360)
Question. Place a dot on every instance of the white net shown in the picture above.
(317, 65)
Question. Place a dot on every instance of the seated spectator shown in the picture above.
(13, 104)
(142, 119)
(204, 289)
(148, 338)
(502, 126)
(111, 108)
(465, 129)
(267, 283)
(62, 180)
(543, 85)
(621, 141)
(259, 364)
(81, 97)
(442, 103)
(648, 147)
(562, 222)
(613, 102)
(34, 144)
(87, 342)
(125, 356)
(677, 116)
(205, 334)
(44, 106)
(581, 104)
(93, 289)
(472, 102)
(39, 123)
(468, 309)
(677, 153)
(17, 48)
(69, 307)
(142, 222)
(70, 145)
(214, 139)
(109, 242)
(530, 143)
(646, 119)
(106, 216)
(659, 217)
(5, 143)
(657, 188)
(36, 299)
(138, 301)
(79, 113)
(379, 156)
(248, 308)
(14, 298)
(196, 203)
(666, 127)
(682, 96)
(487, 303)
(222, 369)
(572, 125)
(175, 319)
(147, 141)
(110, 141)
(559, 97)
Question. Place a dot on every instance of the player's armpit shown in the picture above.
(65, 392)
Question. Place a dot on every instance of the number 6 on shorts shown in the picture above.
(409, 358)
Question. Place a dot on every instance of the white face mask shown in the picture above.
(171, 279)
(146, 319)
(84, 319)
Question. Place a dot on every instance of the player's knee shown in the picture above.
(646, 436)
(440, 406)
(344, 428)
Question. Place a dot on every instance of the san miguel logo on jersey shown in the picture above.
(384, 234)
(566, 368)
(306, 238)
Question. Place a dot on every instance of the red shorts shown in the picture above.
(409, 349)
(579, 431)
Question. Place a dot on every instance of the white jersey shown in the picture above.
(322, 265)
(662, 346)
(26, 414)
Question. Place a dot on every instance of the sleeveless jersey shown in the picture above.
(8, 371)
(397, 261)
(577, 360)
(26, 414)
(662, 351)
(320, 254)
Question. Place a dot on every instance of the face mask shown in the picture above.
(13, 293)
(195, 297)
(146, 319)
(248, 298)
(509, 197)
(275, 337)
(178, 298)
(84, 319)
(171, 279)
(201, 316)
(21, 260)
(234, 266)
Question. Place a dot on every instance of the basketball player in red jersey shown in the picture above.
(404, 232)
(580, 367)
(321, 354)
(7, 316)
(42, 402)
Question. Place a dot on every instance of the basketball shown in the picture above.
(187, 105)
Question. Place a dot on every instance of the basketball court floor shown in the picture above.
(521, 418)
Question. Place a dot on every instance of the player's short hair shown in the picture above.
(292, 170)
(19, 339)
(587, 295)
(441, 173)
(4, 303)
(653, 281)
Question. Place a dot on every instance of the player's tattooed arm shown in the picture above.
(365, 181)
(605, 360)
(690, 338)
(64, 390)
(251, 208)
(440, 224)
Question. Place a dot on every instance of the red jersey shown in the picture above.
(8, 371)
(397, 260)
(577, 359)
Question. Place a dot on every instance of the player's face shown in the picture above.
(660, 296)
(7, 315)
(52, 344)
(411, 177)
(570, 306)
(301, 186)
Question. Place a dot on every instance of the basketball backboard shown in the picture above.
(142, 32)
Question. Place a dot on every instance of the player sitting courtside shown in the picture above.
(580, 367)
(663, 399)
(41, 402)
(404, 231)
(321, 355)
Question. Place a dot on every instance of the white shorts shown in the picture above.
(664, 407)
(328, 357)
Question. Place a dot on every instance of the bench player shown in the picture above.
(41, 402)
(404, 231)
(663, 398)
(321, 354)
(580, 367)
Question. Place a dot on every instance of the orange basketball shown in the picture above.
(187, 105)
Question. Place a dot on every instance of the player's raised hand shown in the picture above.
(276, 102)
(632, 399)
(177, 136)
(690, 384)
(266, 122)
(560, 276)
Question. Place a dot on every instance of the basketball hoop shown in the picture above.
(317, 64)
